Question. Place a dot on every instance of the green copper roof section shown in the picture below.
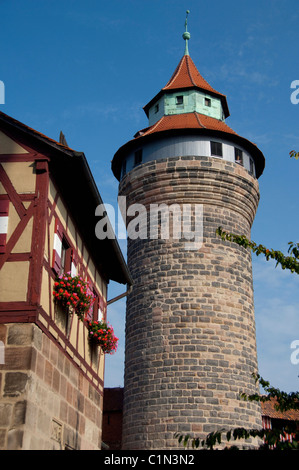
(186, 34)
(186, 101)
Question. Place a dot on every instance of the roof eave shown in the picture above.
(65, 161)
(252, 148)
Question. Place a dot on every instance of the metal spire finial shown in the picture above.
(186, 34)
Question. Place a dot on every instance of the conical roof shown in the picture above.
(186, 76)
(186, 121)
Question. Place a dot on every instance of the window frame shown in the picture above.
(4, 218)
(65, 256)
(239, 154)
(218, 145)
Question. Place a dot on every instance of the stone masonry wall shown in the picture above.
(190, 327)
(46, 403)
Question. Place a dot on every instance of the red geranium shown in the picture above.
(74, 293)
(103, 335)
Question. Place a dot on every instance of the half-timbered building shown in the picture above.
(51, 375)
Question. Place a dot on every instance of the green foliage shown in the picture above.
(294, 154)
(290, 262)
(271, 438)
(285, 401)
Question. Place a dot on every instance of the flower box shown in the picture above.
(74, 294)
(102, 334)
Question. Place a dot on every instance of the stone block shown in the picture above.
(14, 439)
(20, 334)
(5, 414)
(15, 384)
(18, 358)
(3, 433)
(3, 332)
(19, 413)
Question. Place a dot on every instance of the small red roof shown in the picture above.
(187, 76)
(269, 409)
(33, 132)
(186, 121)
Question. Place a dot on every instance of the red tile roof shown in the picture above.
(186, 121)
(268, 409)
(187, 76)
(65, 161)
(33, 132)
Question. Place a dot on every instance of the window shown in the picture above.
(64, 259)
(157, 108)
(216, 149)
(238, 156)
(95, 307)
(138, 157)
(207, 102)
(92, 314)
(251, 166)
(4, 206)
(102, 308)
(179, 100)
(66, 256)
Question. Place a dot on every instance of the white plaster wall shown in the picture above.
(183, 146)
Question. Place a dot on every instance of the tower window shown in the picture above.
(180, 100)
(251, 166)
(216, 149)
(138, 157)
(238, 156)
(207, 102)
(157, 108)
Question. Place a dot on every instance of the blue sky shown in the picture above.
(88, 67)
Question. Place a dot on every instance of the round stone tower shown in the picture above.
(190, 327)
